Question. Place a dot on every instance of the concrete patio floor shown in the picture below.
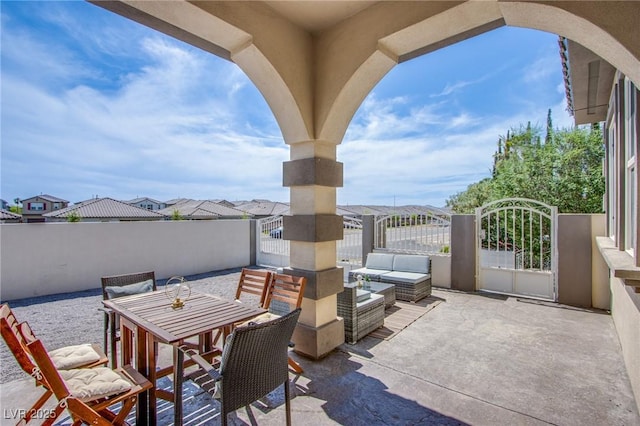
(473, 359)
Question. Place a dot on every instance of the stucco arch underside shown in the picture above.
(605, 32)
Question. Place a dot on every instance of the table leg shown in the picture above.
(178, 379)
(126, 342)
(142, 410)
(152, 351)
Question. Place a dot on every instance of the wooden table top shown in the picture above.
(201, 313)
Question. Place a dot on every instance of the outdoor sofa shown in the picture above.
(410, 273)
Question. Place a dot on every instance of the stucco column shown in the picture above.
(313, 174)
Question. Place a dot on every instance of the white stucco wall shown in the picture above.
(625, 310)
(441, 270)
(51, 258)
(600, 292)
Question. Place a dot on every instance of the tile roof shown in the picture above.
(7, 215)
(202, 209)
(264, 208)
(140, 199)
(176, 201)
(105, 208)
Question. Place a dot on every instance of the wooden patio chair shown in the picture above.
(117, 286)
(279, 294)
(18, 335)
(284, 294)
(253, 282)
(89, 393)
(253, 363)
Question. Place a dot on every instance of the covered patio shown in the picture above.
(471, 359)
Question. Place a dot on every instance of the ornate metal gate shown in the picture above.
(516, 248)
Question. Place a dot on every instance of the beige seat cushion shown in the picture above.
(88, 384)
(262, 318)
(74, 356)
(128, 290)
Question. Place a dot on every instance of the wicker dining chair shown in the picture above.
(253, 363)
(117, 286)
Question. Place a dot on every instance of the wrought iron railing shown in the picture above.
(424, 232)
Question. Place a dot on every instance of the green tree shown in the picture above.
(16, 209)
(475, 195)
(73, 216)
(549, 136)
(565, 170)
(176, 215)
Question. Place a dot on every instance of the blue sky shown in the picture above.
(95, 104)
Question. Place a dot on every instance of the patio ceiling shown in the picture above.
(316, 16)
(591, 78)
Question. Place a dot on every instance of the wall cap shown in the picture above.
(621, 263)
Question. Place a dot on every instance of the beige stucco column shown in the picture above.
(313, 228)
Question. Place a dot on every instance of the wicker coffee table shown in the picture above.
(362, 311)
(386, 289)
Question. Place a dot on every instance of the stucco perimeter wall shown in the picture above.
(574, 259)
(600, 293)
(51, 258)
(463, 252)
(625, 310)
(440, 270)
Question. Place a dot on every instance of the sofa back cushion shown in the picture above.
(380, 261)
(411, 263)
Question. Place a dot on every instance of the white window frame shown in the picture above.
(612, 180)
(631, 191)
(33, 206)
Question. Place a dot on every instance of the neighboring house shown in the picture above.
(103, 210)
(34, 208)
(175, 201)
(4, 205)
(598, 92)
(224, 203)
(147, 203)
(263, 208)
(8, 217)
(202, 210)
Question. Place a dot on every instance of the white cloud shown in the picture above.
(169, 129)
(128, 112)
(451, 88)
(541, 69)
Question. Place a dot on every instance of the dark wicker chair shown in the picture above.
(253, 363)
(128, 284)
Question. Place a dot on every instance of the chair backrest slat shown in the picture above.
(49, 372)
(285, 289)
(14, 339)
(253, 282)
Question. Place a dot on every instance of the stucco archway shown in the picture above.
(316, 61)
(604, 30)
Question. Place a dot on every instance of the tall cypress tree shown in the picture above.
(549, 137)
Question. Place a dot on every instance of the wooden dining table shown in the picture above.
(148, 319)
